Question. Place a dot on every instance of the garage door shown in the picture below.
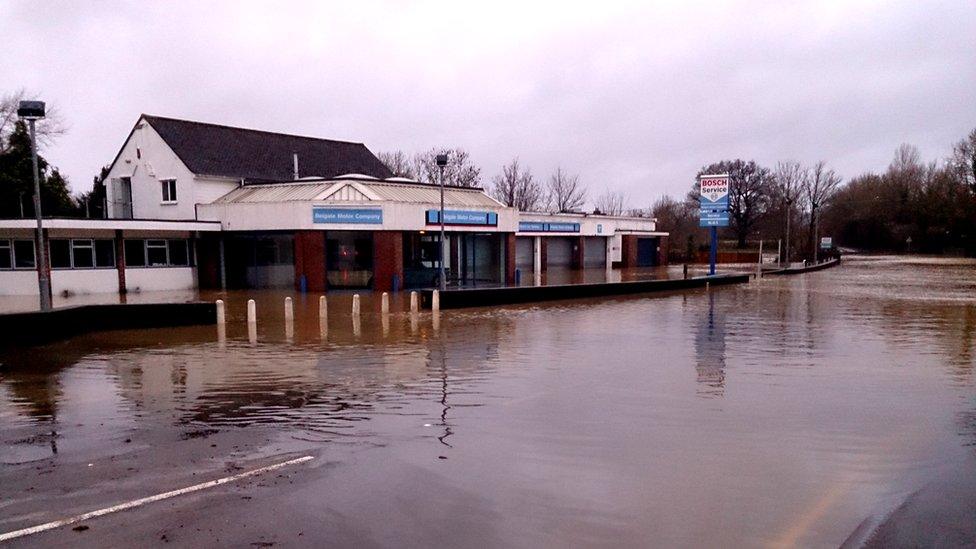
(595, 251)
(559, 251)
(523, 253)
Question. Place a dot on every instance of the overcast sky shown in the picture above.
(634, 97)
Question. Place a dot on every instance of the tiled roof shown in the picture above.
(211, 149)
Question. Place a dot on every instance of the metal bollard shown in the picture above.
(252, 312)
(289, 309)
(385, 303)
(221, 316)
(355, 305)
(414, 303)
(435, 301)
(323, 309)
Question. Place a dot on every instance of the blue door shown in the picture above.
(646, 252)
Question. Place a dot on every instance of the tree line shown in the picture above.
(514, 186)
(913, 206)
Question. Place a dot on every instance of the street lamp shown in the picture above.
(32, 111)
(441, 162)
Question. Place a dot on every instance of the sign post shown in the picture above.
(713, 210)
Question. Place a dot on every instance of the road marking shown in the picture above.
(151, 499)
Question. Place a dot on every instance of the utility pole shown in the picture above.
(33, 111)
(441, 162)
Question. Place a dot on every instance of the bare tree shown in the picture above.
(788, 182)
(963, 161)
(564, 193)
(819, 186)
(459, 172)
(609, 203)
(49, 128)
(398, 162)
(517, 188)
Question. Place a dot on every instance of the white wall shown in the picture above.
(164, 278)
(84, 281)
(159, 162)
(18, 282)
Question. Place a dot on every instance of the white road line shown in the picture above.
(139, 502)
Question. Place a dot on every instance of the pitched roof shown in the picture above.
(360, 191)
(212, 149)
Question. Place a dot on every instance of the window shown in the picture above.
(169, 190)
(60, 254)
(105, 253)
(82, 253)
(135, 253)
(6, 259)
(17, 254)
(178, 253)
(156, 255)
(24, 254)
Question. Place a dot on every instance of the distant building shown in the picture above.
(203, 205)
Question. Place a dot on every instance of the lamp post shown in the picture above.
(32, 111)
(441, 162)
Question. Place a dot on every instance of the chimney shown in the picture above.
(294, 173)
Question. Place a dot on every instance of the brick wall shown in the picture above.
(509, 243)
(628, 251)
(387, 259)
(310, 260)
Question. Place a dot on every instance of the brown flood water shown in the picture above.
(783, 413)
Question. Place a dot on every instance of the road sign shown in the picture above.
(714, 191)
(826, 242)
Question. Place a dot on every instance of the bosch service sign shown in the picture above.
(715, 192)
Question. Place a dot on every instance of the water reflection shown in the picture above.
(710, 351)
(562, 414)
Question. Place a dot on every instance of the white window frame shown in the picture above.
(12, 243)
(165, 246)
(8, 245)
(168, 187)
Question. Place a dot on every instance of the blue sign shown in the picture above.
(599, 228)
(461, 217)
(355, 216)
(713, 219)
(540, 227)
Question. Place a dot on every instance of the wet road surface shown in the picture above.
(792, 412)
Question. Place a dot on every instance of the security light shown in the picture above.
(31, 109)
(442, 160)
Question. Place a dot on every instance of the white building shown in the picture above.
(193, 204)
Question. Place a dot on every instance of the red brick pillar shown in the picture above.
(628, 251)
(310, 260)
(662, 250)
(387, 259)
(509, 242)
(120, 260)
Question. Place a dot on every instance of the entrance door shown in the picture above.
(524, 252)
(559, 251)
(595, 251)
(122, 198)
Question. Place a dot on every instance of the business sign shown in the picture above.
(599, 228)
(461, 217)
(714, 203)
(355, 216)
(826, 242)
(540, 227)
(714, 192)
(713, 219)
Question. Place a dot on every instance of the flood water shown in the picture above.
(781, 413)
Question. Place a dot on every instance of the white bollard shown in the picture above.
(355, 305)
(252, 312)
(323, 317)
(435, 301)
(414, 304)
(385, 303)
(289, 309)
(221, 315)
